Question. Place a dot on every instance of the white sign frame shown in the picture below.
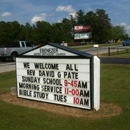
(61, 55)
(81, 63)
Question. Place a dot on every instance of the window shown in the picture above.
(28, 44)
(23, 45)
(14, 44)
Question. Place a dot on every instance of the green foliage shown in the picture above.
(118, 32)
(80, 18)
(44, 32)
(101, 25)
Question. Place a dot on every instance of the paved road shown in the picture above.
(9, 66)
(108, 60)
(102, 50)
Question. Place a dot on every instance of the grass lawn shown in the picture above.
(115, 88)
(121, 54)
(80, 47)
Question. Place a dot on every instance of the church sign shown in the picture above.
(57, 74)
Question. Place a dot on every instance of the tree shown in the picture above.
(9, 32)
(80, 18)
(23, 33)
(3, 37)
(43, 32)
(58, 32)
(67, 27)
(104, 25)
(100, 24)
(15, 30)
(118, 32)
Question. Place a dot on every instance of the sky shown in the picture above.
(54, 11)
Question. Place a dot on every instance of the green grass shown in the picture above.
(121, 54)
(81, 47)
(7, 80)
(115, 88)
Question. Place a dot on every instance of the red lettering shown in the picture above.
(75, 92)
(65, 82)
(76, 100)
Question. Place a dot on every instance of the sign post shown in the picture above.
(96, 46)
(57, 74)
